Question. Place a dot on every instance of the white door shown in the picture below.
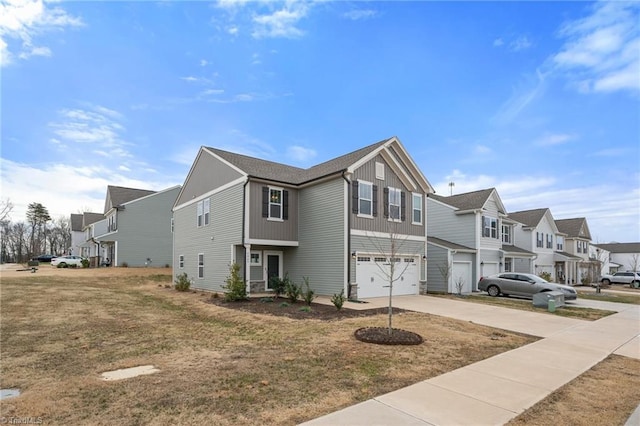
(372, 276)
(461, 276)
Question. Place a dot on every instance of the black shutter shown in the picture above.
(285, 205)
(265, 201)
(403, 206)
(374, 209)
(386, 202)
(355, 197)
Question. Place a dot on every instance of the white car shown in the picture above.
(621, 278)
(64, 261)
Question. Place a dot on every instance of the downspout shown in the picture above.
(247, 272)
(348, 234)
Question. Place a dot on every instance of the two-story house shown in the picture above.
(91, 248)
(537, 232)
(342, 223)
(469, 236)
(576, 242)
(136, 229)
(622, 256)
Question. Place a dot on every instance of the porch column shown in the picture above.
(247, 268)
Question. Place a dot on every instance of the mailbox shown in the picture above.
(541, 300)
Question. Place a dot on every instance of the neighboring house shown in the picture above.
(470, 237)
(623, 256)
(576, 242)
(77, 235)
(330, 223)
(603, 258)
(137, 227)
(537, 232)
(90, 248)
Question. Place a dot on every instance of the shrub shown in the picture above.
(124, 264)
(292, 290)
(182, 282)
(338, 300)
(266, 300)
(284, 305)
(305, 309)
(308, 295)
(546, 276)
(235, 289)
(85, 263)
(278, 285)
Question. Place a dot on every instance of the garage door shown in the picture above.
(372, 276)
(461, 276)
(489, 268)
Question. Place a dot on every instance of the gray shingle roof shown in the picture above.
(448, 244)
(620, 247)
(76, 222)
(278, 172)
(572, 227)
(89, 218)
(467, 201)
(119, 195)
(528, 217)
(513, 249)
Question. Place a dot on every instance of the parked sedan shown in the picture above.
(66, 261)
(525, 285)
(43, 258)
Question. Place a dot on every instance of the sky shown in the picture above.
(540, 100)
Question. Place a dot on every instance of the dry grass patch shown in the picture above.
(218, 366)
(605, 395)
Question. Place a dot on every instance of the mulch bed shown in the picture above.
(299, 310)
(381, 336)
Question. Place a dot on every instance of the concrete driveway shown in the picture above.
(495, 390)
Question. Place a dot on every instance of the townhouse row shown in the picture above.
(355, 224)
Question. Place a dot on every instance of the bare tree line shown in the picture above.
(39, 234)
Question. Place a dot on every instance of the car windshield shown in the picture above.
(537, 279)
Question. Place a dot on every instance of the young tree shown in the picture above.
(634, 262)
(37, 216)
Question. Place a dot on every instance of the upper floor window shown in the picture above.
(506, 234)
(549, 241)
(559, 243)
(275, 203)
(112, 224)
(416, 218)
(365, 198)
(539, 239)
(489, 227)
(394, 203)
(204, 211)
(172, 225)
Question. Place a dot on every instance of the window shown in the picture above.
(539, 240)
(559, 243)
(172, 225)
(379, 171)
(200, 265)
(112, 225)
(256, 258)
(417, 209)
(507, 265)
(275, 203)
(394, 204)
(365, 198)
(203, 212)
(489, 227)
(364, 259)
(181, 261)
(379, 259)
(506, 234)
(549, 241)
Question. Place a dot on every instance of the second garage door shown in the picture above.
(372, 276)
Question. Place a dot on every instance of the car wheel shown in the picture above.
(62, 265)
(493, 291)
(606, 282)
(635, 284)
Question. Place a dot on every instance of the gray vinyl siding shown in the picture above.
(367, 172)
(437, 259)
(265, 229)
(207, 174)
(144, 231)
(321, 251)
(443, 223)
(217, 240)
(382, 246)
(491, 210)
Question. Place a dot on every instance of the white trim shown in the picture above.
(450, 284)
(259, 253)
(265, 265)
(433, 200)
(210, 193)
(391, 189)
(273, 242)
(374, 234)
(281, 204)
(198, 266)
(181, 261)
(237, 169)
(146, 196)
(345, 222)
(370, 199)
(454, 250)
(403, 175)
(422, 209)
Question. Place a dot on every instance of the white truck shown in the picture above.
(631, 278)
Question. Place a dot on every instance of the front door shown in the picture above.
(273, 266)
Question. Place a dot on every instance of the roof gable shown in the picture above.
(118, 195)
(530, 218)
(76, 222)
(475, 200)
(88, 218)
(574, 228)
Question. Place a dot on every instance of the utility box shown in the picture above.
(541, 300)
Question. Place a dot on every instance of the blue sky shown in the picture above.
(538, 99)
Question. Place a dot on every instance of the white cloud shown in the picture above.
(301, 154)
(360, 14)
(602, 51)
(204, 62)
(521, 43)
(552, 139)
(482, 149)
(233, 30)
(23, 20)
(281, 23)
(521, 98)
(498, 42)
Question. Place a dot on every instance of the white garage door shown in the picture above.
(489, 268)
(372, 276)
(461, 276)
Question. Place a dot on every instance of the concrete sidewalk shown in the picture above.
(493, 391)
